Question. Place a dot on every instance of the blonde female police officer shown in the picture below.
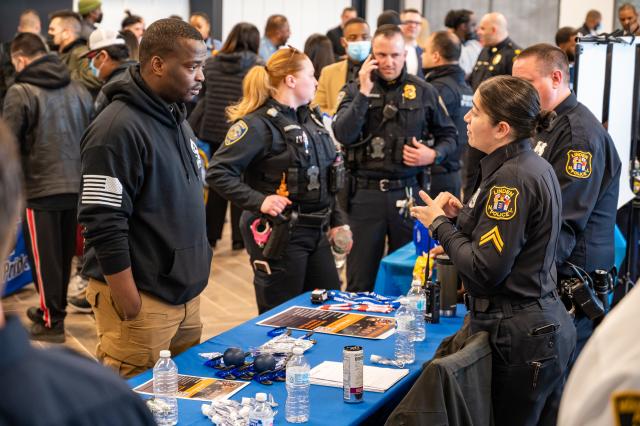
(503, 243)
(279, 164)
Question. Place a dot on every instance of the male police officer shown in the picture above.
(440, 58)
(586, 164)
(498, 51)
(382, 121)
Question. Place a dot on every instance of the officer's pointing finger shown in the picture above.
(425, 197)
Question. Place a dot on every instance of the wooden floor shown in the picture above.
(227, 301)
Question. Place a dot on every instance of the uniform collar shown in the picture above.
(286, 110)
(497, 158)
(393, 83)
(14, 342)
(568, 104)
(504, 43)
(453, 70)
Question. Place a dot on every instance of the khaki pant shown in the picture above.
(133, 346)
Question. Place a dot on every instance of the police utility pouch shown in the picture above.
(579, 292)
(337, 174)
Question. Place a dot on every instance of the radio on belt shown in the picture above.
(319, 296)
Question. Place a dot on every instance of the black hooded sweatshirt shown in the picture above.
(141, 202)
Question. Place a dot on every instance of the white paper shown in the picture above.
(376, 379)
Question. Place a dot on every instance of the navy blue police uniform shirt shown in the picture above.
(588, 168)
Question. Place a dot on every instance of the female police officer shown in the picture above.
(279, 164)
(503, 244)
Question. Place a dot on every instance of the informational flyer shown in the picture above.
(333, 322)
(199, 388)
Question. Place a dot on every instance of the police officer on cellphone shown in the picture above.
(279, 164)
(503, 244)
(384, 122)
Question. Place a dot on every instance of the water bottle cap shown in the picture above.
(297, 350)
(165, 353)
(261, 397)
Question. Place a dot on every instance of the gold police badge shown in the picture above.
(496, 59)
(578, 164)
(236, 132)
(409, 91)
(502, 203)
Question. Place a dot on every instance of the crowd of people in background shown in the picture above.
(83, 82)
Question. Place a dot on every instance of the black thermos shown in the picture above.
(449, 282)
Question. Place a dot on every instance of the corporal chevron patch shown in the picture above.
(493, 236)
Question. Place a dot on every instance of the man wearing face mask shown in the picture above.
(462, 23)
(109, 58)
(384, 122)
(91, 12)
(357, 43)
(49, 139)
(64, 36)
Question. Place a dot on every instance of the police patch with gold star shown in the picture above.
(409, 91)
(236, 132)
(502, 203)
(578, 164)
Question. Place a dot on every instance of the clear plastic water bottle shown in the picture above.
(418, 302)
(340, 244)
(261, 414)
(404, 347)
(165, 388)
(298, 384)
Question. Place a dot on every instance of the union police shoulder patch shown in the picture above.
(236, 132)
(626, 407)
(578, 164)
(502, 203)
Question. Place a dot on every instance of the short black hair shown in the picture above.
(549, 58)
(387, 31)
(447, 45)
(29, 45)
(161, 37)
(202, 15)
(388, 17)
(565, 34)
(66, 14)
(242, 37)
(130, 19)
(458, 17)
(356, 20)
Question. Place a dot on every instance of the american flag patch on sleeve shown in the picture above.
(99, 189)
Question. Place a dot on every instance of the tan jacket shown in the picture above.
(332, 78)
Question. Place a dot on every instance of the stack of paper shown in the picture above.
(376, 379)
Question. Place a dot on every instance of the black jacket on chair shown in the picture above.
(454, 388)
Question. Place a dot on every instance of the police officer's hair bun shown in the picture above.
(514, 101)
(545, 118)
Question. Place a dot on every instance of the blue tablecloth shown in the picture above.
(396, 269)
(327, 406)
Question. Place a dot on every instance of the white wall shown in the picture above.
(374, 8)
(305, 17)
(150, 10)
(573, 12)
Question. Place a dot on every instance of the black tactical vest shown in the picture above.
(302, 155)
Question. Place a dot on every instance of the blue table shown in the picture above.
(327, 406)
(396, 269)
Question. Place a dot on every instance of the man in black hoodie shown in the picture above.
(142, 206)
(441, 56)
(48, 114)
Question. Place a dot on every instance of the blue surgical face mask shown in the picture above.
(358, 50)
(95, 71)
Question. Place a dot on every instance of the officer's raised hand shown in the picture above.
(365, 75)
(273, 205)
(415, 154)
(427, 214)
(448, 203)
